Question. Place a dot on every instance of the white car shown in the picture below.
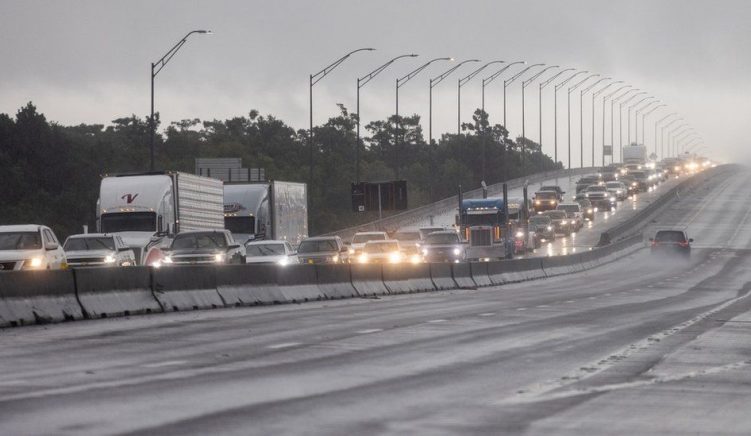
(98, 249)
(274, 252)
(617, 190)
(30, 247)
(360, 238)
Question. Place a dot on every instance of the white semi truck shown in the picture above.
(270, 210)
(144, 208)
(635, 154)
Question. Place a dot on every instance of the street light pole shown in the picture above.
(661, 156)
(629, 117)
(643, 121)
(581, 119)
(461, 82)
(509, 81)
(525, 83)
(620, 119)
(486, 81)
(568, 111)
(662, 137)
(362, 81)
(671, 136)
(604, 99)
(156, 67)
(435, 81)
(555, 114)
(542, 86)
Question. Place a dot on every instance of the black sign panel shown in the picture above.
(393, 196)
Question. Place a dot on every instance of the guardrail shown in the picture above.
(413, 216)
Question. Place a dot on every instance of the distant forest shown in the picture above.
(51, 173)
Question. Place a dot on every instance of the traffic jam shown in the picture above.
(161, 220)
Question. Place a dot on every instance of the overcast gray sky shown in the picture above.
(88, 61)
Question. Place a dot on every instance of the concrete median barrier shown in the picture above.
(479, 271)
(368, 280)
(248, 285)
(407, 278)
(517, 270)
(35, 297)
(335, 281)
(440, 274)
(107, 292)
(186, 287)
(559, 265)
(463, 275)
(298, 283)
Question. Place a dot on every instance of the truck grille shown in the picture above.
(7, 266)
(480, 237)
(86, 260)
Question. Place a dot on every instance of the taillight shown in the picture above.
(654, 243)
(683, 244)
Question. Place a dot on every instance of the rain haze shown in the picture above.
(88, 61)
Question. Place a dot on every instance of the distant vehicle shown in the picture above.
(609, 175)
(543, 226)
(617, 190)
(631, 184)
(573, 213)
(555, 188)
(641, 179)
(322, 249)
(671, 242)
(30, 247)
(146, 208)
(634, 154)
(443, 246)
(588, 211)
(410, 242)
(270, 251)
(387, 251)
(600, 197)
(203, 247)
(361, 238)
(584, 182)
(98, 249)
(561, 223)
(545, 200)
(273, 210)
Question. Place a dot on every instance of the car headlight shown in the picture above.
(595, 209)
(283, 261)
(33, 263)
(109, 259)
(519, 234)
(424, 251)
(363, 258)
(396, 257)
(563, 222)
(633, 183)
(457, 251)
(537, 202)
(550, 228)
(618, 191)
(586, 194)
(612, 199)
(590, 211)
(219, 257)
(351, 251)
(335, 258)
(415, 258)
(166, 259)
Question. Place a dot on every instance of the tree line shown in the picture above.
(51, 172)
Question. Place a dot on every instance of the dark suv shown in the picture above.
(671, 242)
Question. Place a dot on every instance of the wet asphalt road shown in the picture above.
(643, 345)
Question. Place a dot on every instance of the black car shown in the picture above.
(600, 198)
(671, 242)
(585, 182)
(443, 246)
(587, 209)
(203, 247)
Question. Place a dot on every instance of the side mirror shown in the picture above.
(651, 239)
(121, 249)
(691, 240)
(52, 245)
(233, 246)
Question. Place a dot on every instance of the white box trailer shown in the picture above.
(635, 154)
(270, 210)
(144, 207)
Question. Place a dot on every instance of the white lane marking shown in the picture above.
(637, 289)
(608, 294)
(284, 345)
(487, 314)
(436, 321)
(521, 308)
(167, 363)
(591, 298)
(367, 331)
(543, 305)
(13, 382)
(570, 301)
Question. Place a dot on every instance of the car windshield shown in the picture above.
(569, 207)
(670, 236)
(128, 222)
(556, 214)
(20, 241)
(407, 236)
(85, 244)
(585, 203)
(442, 238)
(613, 185)
(596, 188)
(362, 238)
(317, 246)
(639, 174)
(540, 220)
(546, 194)
(264, 249)
(199, 241)
(381, 247)
(550, 188)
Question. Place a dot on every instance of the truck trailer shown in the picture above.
(145, 208)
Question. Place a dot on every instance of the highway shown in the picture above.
(642, 345)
